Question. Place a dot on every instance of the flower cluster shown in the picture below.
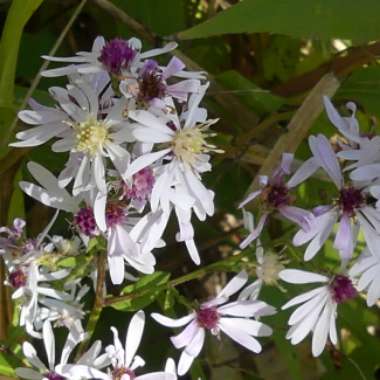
(138, 143)
(353, 166)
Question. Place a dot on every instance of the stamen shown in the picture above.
(54, 376)
(276, 195)
(208, 317)
(350, 200)
(117, 55)
(188, 143)
(84, 219)
(17, 278)
(115, 214)
(118, 373)
(342, 289)
(90, 136)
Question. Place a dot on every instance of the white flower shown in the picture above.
(50, 194)
(31, 284)
(183, 157)
(42, 371)
(69, 313)
(124, 360)
(88, 129)
(352, 209)
(117, 57)
(364, 149)
(318, 311)
(150, 87)
(274, 195)
(53, 370)
(367, 268)
(233, 318)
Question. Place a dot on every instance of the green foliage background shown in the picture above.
(263, 57)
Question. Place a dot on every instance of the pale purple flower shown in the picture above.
(150, 86)
(318, 312)
(124, 361)
(275, 196)
(367, 269)
(235, 319)
(85, 128)
(117, 57)
(351, 208)
(182, 157)
(52, 370)
(364, 149)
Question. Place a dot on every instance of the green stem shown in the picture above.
(98, 303)
(199, 273)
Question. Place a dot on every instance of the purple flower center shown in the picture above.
(208, 317)
(118, 373)
(342, 289)
(350, 199)
(116, 55)
(85, 221)
(276, 195)
(151, 84)
(17, 278)
(115, 214)
(54, 376)
(142, 185)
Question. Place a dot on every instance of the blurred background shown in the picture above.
(269, 63)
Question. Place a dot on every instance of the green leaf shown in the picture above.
(321, 19)
(362, 87)
(5, 368)
(19, 13)
(147, 11)
(262, 101)
(143, 292)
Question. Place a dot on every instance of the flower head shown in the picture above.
(235, 319)
(317, 314)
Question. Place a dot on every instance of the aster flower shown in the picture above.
(318, 312)
(51, 371)
(275, 195)
(180, 162)
(126, 233)
(31, 285)
(117, 57)
(124, 361)
(362, 148)
(235, 319)
(69, 313)
(150, 86)
(367, 270)
(86, 128)
(268, 265)
(352, 208)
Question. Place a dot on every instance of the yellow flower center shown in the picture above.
(270, 268)
(188, 143)
(90, 136)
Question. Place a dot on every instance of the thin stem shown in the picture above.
(98, 302)
(45, 65)
(199, 273)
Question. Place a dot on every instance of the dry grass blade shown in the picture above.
(299, 125)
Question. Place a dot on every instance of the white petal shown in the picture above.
(321, 331)
(145, 160)
(249, 326)
(234, 285)
(170, 322)
(134, 334)
(240, 336)
(49, 343)
(297, 276)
